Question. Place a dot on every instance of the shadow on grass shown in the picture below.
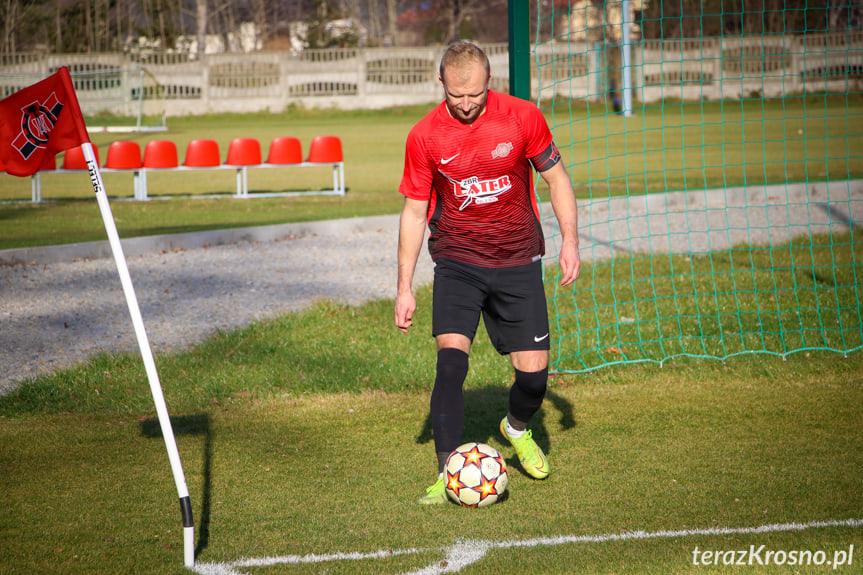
(486, 406)
(194, 425)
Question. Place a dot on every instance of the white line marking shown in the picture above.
(229, 568)
(467, 552)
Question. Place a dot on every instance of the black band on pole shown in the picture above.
(186, 510)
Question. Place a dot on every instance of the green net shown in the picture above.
(718, 163)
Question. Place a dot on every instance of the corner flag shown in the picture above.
(38, 122)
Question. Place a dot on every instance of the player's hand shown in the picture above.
(570, 264)
(406, 305)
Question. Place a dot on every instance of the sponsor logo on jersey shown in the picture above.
(474, 190)
(502, 150)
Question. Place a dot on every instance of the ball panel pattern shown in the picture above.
(476, 475)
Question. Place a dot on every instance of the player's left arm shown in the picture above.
(545, 158)
(565, 210)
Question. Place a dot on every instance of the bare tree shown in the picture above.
(99, 25)
(453, 14)
(10, 17)
(446, 21)
(14, 13)
(374, 22)
(392, 18)
(844, 14)
(261, 21)
(201, 25)
(58, 44)
(88, 28)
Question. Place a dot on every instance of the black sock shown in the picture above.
(442, 456)
(447, 401)
(526, 395)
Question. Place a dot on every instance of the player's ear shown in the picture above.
(439, 79)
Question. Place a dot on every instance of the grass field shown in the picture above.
(783, 299)
(305, 438)
(747, 446)
(704, 145)
(305, 444)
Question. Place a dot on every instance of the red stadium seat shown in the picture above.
(73, 159)
(123, 155)
(325, 150)
(328, 150)
(244, 152)
(202, 154)
(160, 154)
(285, 150)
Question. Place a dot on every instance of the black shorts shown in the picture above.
(511, 301)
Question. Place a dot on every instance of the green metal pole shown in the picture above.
(519, 48)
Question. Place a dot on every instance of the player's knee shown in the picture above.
(452, 365)
(532, 383)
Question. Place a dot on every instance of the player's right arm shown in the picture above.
(412, 225)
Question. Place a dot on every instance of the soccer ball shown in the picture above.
(475, 475)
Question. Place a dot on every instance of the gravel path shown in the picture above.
(55, 315)
(59, 311)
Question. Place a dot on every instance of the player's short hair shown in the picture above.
(461, 53)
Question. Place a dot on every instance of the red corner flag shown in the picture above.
(38, 122)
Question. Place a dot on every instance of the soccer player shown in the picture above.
(467, 176)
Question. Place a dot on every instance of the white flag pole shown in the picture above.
(146, 354)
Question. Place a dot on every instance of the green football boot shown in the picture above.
(530, 455)
(435, 494)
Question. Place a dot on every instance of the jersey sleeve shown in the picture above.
(539, 137)
(417, 178)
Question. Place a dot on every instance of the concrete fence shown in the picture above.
(373, 78)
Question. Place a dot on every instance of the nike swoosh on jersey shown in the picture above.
(448, 160)
(539, 339)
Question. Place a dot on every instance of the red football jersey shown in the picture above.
(477, 178)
